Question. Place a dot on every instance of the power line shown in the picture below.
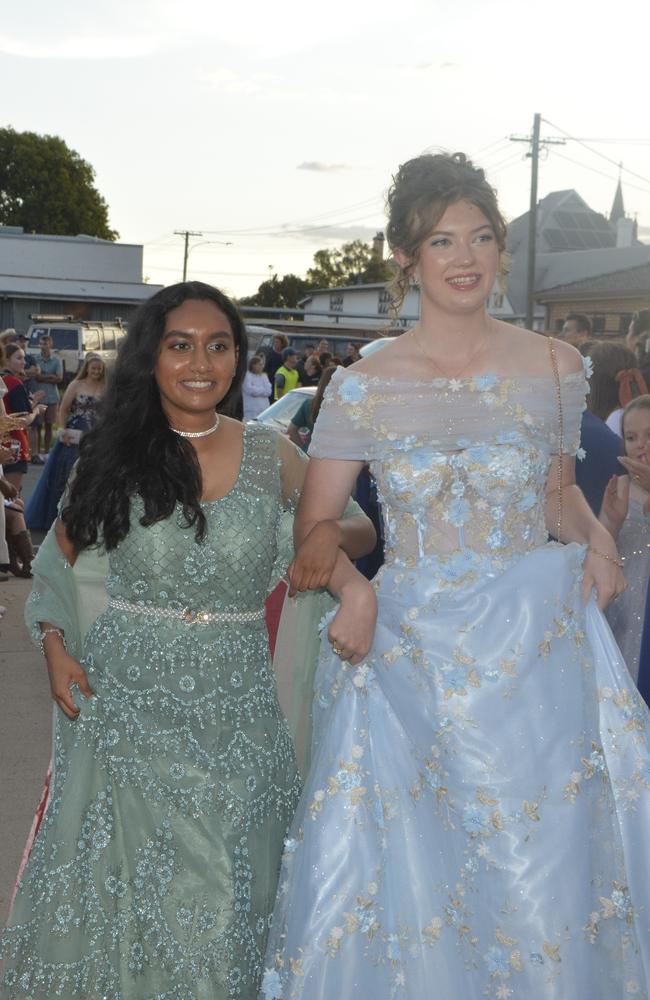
(262, 230)
(510, 159)
(601, 173)
(596, 152)
(615, 142)
(229, 274)
(484, 149)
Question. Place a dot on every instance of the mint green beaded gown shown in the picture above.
(154, 873)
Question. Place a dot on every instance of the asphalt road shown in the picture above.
(25, 727)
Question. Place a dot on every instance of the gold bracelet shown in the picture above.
(620, 562)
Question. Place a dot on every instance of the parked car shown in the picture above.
(375, 345)
(256, 335)
(278, 415)
(73, 339)
(337, 341)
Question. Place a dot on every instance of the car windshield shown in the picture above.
(279, 414)
(62, 339)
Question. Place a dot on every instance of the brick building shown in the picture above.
(609, 300)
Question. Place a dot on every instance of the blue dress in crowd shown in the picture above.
(42, 507)
(475, 822)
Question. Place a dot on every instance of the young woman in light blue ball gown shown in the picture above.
(475, 823)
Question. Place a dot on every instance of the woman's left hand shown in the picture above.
(603, 574)
(314, 562)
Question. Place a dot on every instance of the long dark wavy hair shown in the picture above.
(132, 450)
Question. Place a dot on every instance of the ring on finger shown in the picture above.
(337, 649)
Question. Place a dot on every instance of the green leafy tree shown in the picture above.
(46, 187)
(279, 293)
(354, 263)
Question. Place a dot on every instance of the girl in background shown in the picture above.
(256, 389)
(626, 515)
(77, 414)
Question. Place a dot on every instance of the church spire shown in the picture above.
(618, 209)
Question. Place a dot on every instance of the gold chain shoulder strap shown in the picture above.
(560, 434)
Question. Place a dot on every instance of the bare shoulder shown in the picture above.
(530, 353)
(73, 388)
(569, 360)
(231, 426)
(397, 359)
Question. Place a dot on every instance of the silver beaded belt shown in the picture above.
(187, 615)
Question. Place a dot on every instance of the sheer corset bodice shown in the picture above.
(461, 465)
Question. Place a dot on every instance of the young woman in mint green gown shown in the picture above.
(154, 872)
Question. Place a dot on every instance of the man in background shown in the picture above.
(286, 377)
(577, 329)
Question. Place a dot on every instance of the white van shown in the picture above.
(73, 339)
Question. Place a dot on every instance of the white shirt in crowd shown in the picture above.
(256, 391)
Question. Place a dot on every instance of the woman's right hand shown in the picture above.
(616, 501)
(64, 671)
(352, 629)
(8, 490)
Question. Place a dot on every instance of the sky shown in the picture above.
(273, 129)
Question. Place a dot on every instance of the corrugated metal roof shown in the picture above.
(631, 281)
(71, 288)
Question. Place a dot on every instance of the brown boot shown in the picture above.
(20, 554)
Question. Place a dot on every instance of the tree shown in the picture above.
(279, 293)
(354, 263)
(46, 187)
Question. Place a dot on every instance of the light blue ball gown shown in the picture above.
(475, 822)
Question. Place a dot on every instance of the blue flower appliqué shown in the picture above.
(482, 382)
(458, 512)
(352, 390)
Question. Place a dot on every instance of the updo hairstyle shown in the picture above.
(421, 192)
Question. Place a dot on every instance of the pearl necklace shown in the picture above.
(197, 434)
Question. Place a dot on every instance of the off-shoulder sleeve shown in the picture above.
(344, 426)
(574, 393)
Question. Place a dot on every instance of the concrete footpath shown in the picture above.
(25, 726)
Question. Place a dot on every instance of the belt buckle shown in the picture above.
(192, 617)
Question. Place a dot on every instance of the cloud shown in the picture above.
(318, 235)
(428, 67)
(272, 87)
(81, 47)
(229, 82)
(323, 168)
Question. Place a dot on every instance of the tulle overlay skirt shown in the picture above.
(475, 823)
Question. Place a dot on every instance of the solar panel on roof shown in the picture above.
(591, 240)
(556, 239)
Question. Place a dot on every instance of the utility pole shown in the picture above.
(535, 144)
(186, 233)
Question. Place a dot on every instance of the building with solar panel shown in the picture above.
(585, 263)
